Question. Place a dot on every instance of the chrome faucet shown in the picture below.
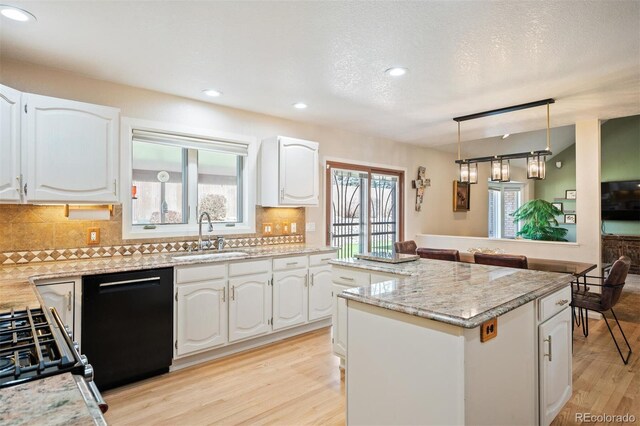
(201, 244)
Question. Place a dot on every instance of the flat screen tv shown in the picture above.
(620, 200)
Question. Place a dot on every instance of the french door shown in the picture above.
(365, 208)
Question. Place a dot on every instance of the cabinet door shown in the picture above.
(249, 306)
(289, 298)
(60, 296)
(320, 299)
(9, 144)
(554, 348)
(339, 321)
(298, 172)
(71, 150)
(201, 316)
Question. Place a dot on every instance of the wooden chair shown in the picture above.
(405, 247)
(611, 287)
(439, 254)
(507, 260)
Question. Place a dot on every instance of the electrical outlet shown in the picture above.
(267, 228)
(285, 227)
(489, 330)
(293, 227)
(93, 236)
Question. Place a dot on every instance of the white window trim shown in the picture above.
(502, 186)
(129, 231)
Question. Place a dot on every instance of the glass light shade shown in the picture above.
(473, 173)
(464, 172)
(505, 177)
(496, 170)
(536, 168)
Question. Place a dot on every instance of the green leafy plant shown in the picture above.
(539, 221)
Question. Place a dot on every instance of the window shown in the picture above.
(364, 208)
(175, 176)
(504, 199)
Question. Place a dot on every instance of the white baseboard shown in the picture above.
(246, 345)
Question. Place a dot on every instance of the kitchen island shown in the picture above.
(414, 349)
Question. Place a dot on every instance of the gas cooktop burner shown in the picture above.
(5, 364)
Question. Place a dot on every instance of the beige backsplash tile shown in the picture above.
(37, 227)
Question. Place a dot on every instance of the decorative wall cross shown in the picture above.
(419, 185)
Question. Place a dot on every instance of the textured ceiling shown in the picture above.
(463, 57)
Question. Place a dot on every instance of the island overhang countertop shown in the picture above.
(456, 293)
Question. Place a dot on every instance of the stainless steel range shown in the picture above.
(33, 347)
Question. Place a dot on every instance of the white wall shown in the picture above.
(587, 246)
(437, 215)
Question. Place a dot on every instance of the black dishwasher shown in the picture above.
(127, 325)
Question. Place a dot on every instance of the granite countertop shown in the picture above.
(17, 293)
(55, 400)
(59, 399)
(457, 293)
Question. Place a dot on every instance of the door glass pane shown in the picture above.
(158, 180)
(220, 186)
(384, 212)
(510, 203)
(348, 212)
(494, 213)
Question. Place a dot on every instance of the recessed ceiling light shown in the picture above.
(396, 71)
(506, 135)
(212, 92)
(300, 105)
(16, 14)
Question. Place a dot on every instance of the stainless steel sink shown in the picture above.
(208, 256)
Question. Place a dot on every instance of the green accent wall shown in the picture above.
(557, 182)
(620, 145)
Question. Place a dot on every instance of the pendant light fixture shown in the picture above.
(536, 162)
(468, 172)
(500, 165)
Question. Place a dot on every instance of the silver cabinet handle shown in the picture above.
(291, 263)
(306, 280)
(550, 354)
(142, 280)
(562, 302)
(348, 279)
(69, 301)
(312, 280)
(224, 294)
(281, 194)
(326, 259)
(233, 292)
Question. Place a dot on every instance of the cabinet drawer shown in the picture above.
(248, 268)
(294, 262)
(321, 259)
(550, 305)
(189, 274)
(350, 277)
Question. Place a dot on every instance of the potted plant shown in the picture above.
(539, 222)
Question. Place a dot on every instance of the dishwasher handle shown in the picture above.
(141, 280)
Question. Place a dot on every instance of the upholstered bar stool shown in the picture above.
(439, 254)
(405, 247)
(506, 260)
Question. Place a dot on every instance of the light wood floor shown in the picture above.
(298, 382)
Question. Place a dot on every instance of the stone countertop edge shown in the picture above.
(472, 322)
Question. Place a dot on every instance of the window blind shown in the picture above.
(191, 142)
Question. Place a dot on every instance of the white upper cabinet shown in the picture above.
(10, 179)
(289, 172)
(71, 150)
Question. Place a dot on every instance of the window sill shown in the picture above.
(188, 232)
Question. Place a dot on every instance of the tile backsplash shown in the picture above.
(35, 233)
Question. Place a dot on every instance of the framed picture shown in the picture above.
(569, 218)
(461, 196)
(570, 194)
(557, 206)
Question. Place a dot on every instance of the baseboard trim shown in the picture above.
(246, 345)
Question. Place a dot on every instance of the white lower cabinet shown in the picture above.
(290, 297)
(60, 296)
(320, 298)
(249, 306)
(201, 316)
(554, 348)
